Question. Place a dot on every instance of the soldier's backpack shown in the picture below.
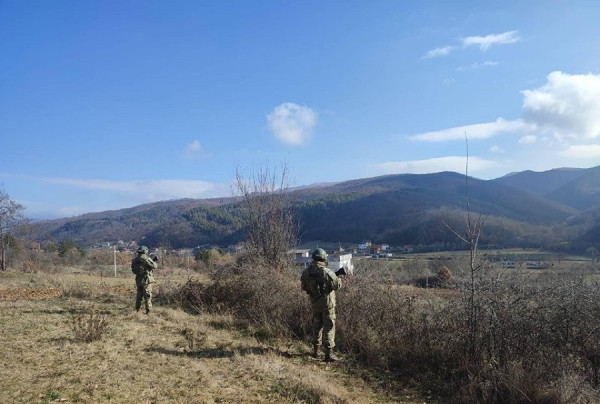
(137, 266)
(318, 283)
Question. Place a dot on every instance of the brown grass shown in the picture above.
(171, 356)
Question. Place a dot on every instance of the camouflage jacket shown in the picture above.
(143, 266)
(320, 283)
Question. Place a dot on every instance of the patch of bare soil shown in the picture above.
(13, 295)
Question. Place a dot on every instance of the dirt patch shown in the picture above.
(12, 295)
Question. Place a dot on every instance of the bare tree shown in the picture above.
(267, 209)
(11, 217)
(473, 288)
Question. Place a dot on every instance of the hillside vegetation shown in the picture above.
(394, 209)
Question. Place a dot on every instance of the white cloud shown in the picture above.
(292, 123)
(528, 139)
(474, 131)
(480, 65)
(566, 103)
(485, 42)
(496, 149)
(582, 152)
(193, 150)
(434, 165)
(152, 190)
(443, 51)
(194, 146)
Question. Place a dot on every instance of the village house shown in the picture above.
(301, 257)
(364, 246)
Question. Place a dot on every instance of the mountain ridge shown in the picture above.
(398, 208)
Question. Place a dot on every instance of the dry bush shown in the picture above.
(533, 337)
(391, 328)
(271, 299)
(38, 261)
(89, 326)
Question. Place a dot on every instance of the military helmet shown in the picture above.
(142, 250)
(319, 255)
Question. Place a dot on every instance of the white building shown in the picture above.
(336, 261)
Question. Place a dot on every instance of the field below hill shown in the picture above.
(69, 337)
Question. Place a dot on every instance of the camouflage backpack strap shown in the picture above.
(317, 278)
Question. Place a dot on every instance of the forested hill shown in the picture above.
(396, 209)
(419, 209)
(575, 187)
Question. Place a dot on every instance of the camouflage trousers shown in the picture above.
(323, 322)
(144, 293)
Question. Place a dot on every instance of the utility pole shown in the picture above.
(115, 259)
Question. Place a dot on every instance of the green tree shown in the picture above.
(64, 247)
(209, 257)
(50, 247)
(11, 218)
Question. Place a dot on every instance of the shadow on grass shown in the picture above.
(222, 352)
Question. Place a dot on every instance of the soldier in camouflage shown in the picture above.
(320, 283)
(143, 266)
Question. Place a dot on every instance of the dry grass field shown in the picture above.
(75, 338)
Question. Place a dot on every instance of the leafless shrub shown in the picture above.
(268, 214)
(89, 326)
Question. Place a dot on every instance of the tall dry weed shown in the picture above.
(89, 326)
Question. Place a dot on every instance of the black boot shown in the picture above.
(330, 357)
(315, 353)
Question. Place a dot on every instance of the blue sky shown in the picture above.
(111, 104)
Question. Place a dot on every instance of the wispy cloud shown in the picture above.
(443, 51)
(496, 149)
(485, 42)
(474, 131)
(152, 190)
(528, 139)
(448, 163)
(479, 65)
(292, 123)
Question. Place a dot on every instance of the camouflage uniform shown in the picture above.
(143, 266)
(321, 283)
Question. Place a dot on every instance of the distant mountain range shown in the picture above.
(555, 209)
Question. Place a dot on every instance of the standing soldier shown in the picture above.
(321, 283)
(143, 266)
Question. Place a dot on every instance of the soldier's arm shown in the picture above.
(334, 280)
(150, 263)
